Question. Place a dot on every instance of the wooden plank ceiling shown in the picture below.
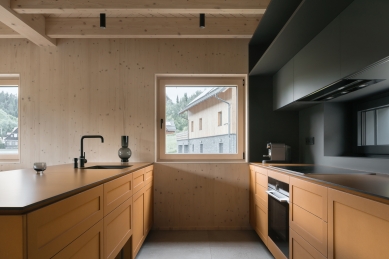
(43, 21)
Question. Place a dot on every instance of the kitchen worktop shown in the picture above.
(24, 190)
(355, 180)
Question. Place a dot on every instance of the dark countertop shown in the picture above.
(22, 191)
(369, 183)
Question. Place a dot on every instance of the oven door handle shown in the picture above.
(286, 199)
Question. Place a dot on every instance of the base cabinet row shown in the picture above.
(325, 222)
(109, 221)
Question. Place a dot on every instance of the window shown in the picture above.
(219, 119)
(182, 100)
(373, 126)
(220, 148)
(9, 117)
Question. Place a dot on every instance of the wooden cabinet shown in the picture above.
(283, 86)
(142, 211)
(308, 212)
(52, 228)
(88, 245)
(252, 196)
(12, 236)
(318, 63)
(116, 192)
(117, 229)
(301, 249)
(261, 220)
(357, 227)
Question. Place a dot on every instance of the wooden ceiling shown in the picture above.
(43, 21)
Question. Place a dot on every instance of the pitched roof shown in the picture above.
(11, 135)
(204, 96)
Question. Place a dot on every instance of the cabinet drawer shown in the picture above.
(299, 248)
(149, 174)
(261, 194)
(278, 176)
(116, 192)
(52, 228)
(88, 245)
(261, 179)
(309, 196)
(310, 227)
(261, 220)
(117, 229)
(138, 180)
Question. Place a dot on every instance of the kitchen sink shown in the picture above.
(107, 167)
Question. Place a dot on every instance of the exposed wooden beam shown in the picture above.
(31, 27)
(140, 6)
(7, 33)
(151, 28)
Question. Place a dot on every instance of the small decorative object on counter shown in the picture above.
(124, 152)
(39, 167)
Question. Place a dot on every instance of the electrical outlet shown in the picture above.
(310, 141)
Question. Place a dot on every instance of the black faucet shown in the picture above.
(82, 156)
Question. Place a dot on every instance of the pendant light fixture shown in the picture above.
(202, 20)
(102, 21)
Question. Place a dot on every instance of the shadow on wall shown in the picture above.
(204, 196)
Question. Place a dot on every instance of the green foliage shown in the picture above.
(7, 122)
(2, 146)
(8, 112)
(171, 144)
(172, 110)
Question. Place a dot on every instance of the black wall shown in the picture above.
(266, 125)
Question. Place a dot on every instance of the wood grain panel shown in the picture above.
(261, 195)
(301, 249)
(88, 245)
(310, 227)
(117, 229)
(309, 196)
(53, 227)
(252, 219)
(201, 196)
(101, 86)
(278, 176)
(276, 252)
(116, 192)
(261, 179)
(261, 221)
(12, 237)
(357, 227)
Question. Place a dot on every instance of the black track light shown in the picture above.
(102, 20)
(202, 20)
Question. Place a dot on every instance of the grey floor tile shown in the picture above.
(204, 245)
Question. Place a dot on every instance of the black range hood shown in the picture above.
(339, 88)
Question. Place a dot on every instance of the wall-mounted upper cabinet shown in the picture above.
(318, 63)
(283, 86)
(364, 34)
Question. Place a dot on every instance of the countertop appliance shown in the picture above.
(277, 153)
(278, 214)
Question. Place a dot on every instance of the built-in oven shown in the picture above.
(278, 214)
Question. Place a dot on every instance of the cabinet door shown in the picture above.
(88, 245)
(116, 192)
(318, 63)
(283, 83)
(138, 234)
(301, 249)
(357, 227)
(117, 229)
(252, 197)
(53, 227)
(148, 208)
(363, 34)
(261, 221)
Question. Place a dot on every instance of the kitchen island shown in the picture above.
(69, 211)
(331, 215)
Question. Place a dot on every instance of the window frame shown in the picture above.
(238, 80)
(12, 79)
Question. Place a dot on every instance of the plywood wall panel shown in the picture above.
(102, 86)
(201, 196)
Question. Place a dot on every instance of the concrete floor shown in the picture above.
(204, 245)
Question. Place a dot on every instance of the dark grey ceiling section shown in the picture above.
(309, 19)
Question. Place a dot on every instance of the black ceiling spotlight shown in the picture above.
(102, 20)
(202, 20)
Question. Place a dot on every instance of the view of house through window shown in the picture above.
(9, 113)
(214, 108)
